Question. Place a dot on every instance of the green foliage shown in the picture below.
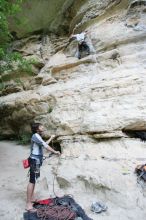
(7, 57)
(2, 86)
(50, 109)
(25, 65)
(7, 9)
(15, 62)
(19, 82)
(24, 138)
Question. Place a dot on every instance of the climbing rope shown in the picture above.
(55, 173)
(55, 213)
(55, 176)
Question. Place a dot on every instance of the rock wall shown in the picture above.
(88, 103)
(37, 16)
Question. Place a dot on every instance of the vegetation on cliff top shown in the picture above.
(9, 9)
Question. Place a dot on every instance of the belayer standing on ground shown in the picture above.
(36, 159)
(82, 44)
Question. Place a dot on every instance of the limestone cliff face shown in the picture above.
(83, 101)
(101, 93)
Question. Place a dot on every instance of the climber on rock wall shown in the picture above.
(82, 44)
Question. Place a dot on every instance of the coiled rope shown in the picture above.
(55, 213)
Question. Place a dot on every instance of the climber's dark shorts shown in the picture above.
(34, 170)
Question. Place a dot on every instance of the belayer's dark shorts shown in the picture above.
(34, 170)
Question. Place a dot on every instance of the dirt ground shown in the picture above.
(13, 180)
